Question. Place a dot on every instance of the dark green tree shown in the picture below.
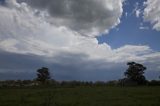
(43, 75)
(135, 73)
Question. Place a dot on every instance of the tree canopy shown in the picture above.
(43, 75)
(135, 72)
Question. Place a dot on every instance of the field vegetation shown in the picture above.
(81, 96)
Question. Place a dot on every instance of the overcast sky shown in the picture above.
(78, 39)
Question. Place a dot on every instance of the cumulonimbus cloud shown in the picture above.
(25, 31)
(35, 31)
(87, 17)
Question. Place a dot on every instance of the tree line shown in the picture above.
(134, 76)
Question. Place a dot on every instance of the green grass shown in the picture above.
(81, 96)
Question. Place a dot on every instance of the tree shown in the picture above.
(135, 73)
(43, 75)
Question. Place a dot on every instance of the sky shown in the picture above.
(86, 40)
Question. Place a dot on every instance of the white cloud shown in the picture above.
(152, 13)
(138, 12)
(143, 28)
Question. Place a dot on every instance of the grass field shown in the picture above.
(81, 96)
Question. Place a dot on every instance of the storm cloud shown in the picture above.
(63, 66)
(58, 34)
(87, 17)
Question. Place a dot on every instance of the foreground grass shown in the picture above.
(81, 96)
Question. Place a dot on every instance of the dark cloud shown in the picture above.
(83, 16)
(17, 75)
(19, 61)
(63, 66)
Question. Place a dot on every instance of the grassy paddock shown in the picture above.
(81, 96)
